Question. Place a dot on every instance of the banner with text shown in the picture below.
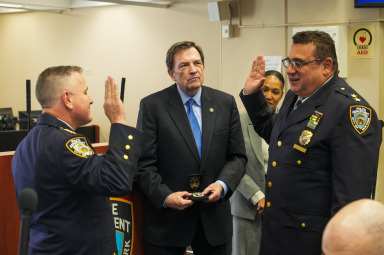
(122, 211)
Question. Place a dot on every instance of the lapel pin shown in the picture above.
(211, 110)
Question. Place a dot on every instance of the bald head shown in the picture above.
(52, 82)
(358, 228)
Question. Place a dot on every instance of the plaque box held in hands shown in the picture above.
(195, 183)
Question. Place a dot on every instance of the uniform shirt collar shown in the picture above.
(47, 119)
(66, 124)
(185, 97)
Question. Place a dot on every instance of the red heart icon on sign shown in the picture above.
(362, 39)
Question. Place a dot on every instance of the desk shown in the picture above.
(10, 216)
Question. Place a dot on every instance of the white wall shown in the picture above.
(121, 41)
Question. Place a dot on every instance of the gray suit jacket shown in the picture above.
(254, 178)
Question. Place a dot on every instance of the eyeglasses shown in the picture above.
(297, 65)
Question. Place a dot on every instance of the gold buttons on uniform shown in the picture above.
(269, 184)
(274, 163)
(269, 204)
(211, 110)
(127, 147)
(125, 157)
(342, 88)
(130, 137)
(299, 162)
(279, 143)
(303, 225)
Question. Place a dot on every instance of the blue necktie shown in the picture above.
(194, 124)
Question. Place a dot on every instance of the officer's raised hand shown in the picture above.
(113, 107)
(256, 78)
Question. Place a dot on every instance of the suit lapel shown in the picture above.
(309, 106)
(209, 120)
(305, 111)
(179, 116)
(256, 141)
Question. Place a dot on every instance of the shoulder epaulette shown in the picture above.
(351, 94)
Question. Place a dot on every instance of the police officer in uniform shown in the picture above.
(74, 214)
(323, 145)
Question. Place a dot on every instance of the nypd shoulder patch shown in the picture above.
(79, 146)
(360, 118)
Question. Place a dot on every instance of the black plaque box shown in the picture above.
(195, 186)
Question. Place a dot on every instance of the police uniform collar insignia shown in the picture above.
(79, 146)
(69, 131)
(309, 131)
(355, 97)
(360, 118)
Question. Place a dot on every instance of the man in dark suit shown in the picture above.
(73, 184)
(189, 129)
(323, 145)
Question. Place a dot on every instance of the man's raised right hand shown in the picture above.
(256, 78)
(113, 106)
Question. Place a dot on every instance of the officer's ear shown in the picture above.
(67, 99)
(327, 66)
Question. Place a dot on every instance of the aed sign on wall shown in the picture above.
(362, 41)
(122, 212)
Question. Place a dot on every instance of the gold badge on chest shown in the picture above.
(308, 132)
(305, 137)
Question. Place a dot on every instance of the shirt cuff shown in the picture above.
(166, 200)
(245, 94)
(257, 197)
(225, 188)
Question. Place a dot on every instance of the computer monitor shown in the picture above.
(7, 121)
(369, 3)
(23, 118)
(6, 112)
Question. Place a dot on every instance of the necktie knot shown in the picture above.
(190, 102)
(298, 103)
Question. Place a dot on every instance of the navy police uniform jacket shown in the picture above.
(304, 189)
(73, 184)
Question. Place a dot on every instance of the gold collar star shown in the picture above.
(355, 97)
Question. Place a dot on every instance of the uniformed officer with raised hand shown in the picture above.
(74, 214)
(323, 145)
